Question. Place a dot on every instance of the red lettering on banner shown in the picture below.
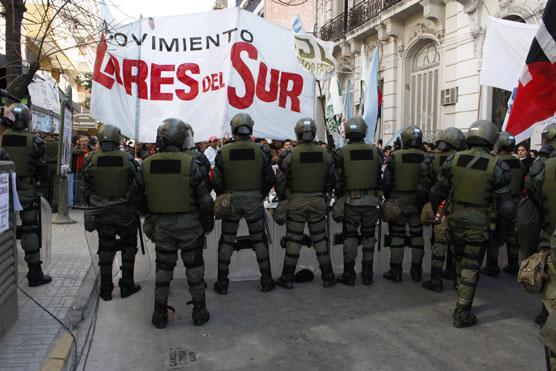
(157, 80)
(271, 94)
(268, 88)
(293, 93)
(188, 81)
(141, 72)
(248, 81)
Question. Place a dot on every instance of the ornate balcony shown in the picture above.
(357, 15)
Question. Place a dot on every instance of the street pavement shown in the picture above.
(385, 326)
(27, 344)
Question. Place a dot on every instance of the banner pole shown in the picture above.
(328, 135)
(138, 100)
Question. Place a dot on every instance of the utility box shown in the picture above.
(8, 257)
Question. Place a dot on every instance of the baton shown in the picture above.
(141, 239)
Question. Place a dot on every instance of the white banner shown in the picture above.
(201, 68)
(505, 50)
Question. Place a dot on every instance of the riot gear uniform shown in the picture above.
(478, 185)
(27, 151)
(108, 175)
(172, 193)
(202, 160)
(243, 170)
(504, 148)
(358, 177)
(305, 176)
(452, 140)
(402, 177)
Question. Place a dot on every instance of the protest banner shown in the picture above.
(201, 68)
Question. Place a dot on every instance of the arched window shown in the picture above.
(424, 94)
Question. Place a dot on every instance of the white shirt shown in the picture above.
(211, 154)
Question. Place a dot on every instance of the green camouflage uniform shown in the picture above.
(518, 173)
(27, 152)
(477, 184)
(358, 177)
(170, 189)
(107, 176)
(244, 170)
(305, 176)
(402, 177)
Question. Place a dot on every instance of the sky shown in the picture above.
(125, 11)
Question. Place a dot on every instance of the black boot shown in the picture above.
(327, 275)
(267, 283)
(221, 285)
(35, 276)
(435, 283)
(127, 284)
(416, 272)
(491, 270)
(200, 313)
(394, 274)
(463, 316)
(106, 286)
(513, 266)
(367, 272)
(160, 315)
(286, 279)
(348, 278)
(541, 318)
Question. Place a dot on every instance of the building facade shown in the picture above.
(282, 11)
(429, 57)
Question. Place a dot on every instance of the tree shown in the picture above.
(51, 27)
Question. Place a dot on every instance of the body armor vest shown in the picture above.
(110, 174)
(407, 165)
(438, 161)
(473, 177)
(361, 164)
(518, 172)
(309, 169)
(549, 192)
(242, 165)
(19, 146)
(168, 183)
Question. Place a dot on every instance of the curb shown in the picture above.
(61, 355)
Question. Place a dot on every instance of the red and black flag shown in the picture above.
(535, 99)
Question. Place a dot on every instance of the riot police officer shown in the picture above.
(358, 177)
(171, 191)
(402, 176)
(243, 170)
(503, 149)
(528, 221)
(305, 177)
(27, 152)
(452, 140)
(108, 175)
(478, 186)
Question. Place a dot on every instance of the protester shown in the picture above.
(79, 152)
(212, 149)
(522, 154)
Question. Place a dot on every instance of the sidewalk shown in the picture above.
(37, 341)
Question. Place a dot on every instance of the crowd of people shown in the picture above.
(473, 189)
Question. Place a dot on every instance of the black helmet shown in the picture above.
(356, 128)
(22, 115)
(549, 133)
(109, 133)
(171, 132)
(482, 133)
(189, 141)
(306, 130)
(242, 124)
(505, 142)
(451, 137)
(411, 136)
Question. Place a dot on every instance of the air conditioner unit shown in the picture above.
(449, 96)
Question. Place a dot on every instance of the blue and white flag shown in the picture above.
(370, 110)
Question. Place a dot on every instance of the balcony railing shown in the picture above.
(357, 15)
